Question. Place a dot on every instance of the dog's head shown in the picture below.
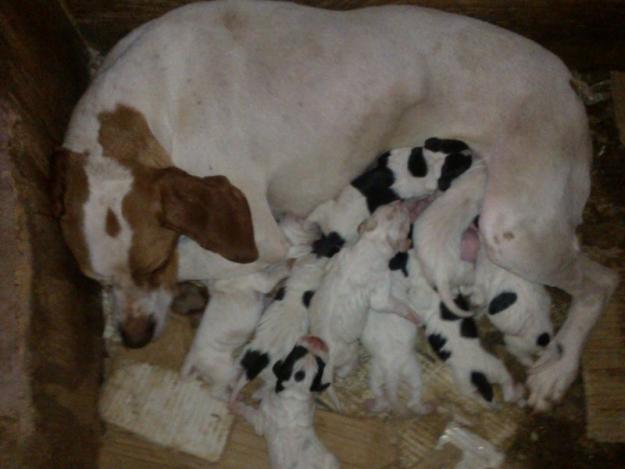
(123, 212)
(389, 224)
(302, 370)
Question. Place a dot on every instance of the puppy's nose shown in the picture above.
(137, 332)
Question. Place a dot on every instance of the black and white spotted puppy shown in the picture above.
(438, 232)
(455, 340)
(227, 323)
(518, 308)
(282, 323)
(285, 415)
(357, 279)
(402, 173)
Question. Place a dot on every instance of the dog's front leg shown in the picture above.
(253, 416)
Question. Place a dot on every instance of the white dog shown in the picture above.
(438, 233)
(282, 323)
(271, 94)
(518, 308)
(228, 322)
(358, 278)
(286, 413)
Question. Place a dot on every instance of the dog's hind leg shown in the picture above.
(528, 223)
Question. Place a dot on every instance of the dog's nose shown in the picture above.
(137, 332)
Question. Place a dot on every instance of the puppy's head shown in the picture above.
(122, 213)
(389, 224)
(301, 371)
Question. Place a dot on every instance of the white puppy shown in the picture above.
(282, 323)
(286, 413)
(401, 173)
(437, 234)
(518, 308)
(358, 278)
(228, 321)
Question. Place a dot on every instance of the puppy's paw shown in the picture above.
(421, 408)
(378, 405)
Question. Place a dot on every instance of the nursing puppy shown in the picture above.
(282, 323)
(286, 414)
(357, 279)
(438, 233)
(401, 173)
(518, 308)
(229, 320)
(455, 340)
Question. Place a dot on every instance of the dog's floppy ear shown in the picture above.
(317, 385)
(209, 210)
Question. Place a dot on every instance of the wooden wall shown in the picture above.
(50, 358)
(585, 33)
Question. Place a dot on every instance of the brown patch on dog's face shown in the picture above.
(112, 224)
(70, 191)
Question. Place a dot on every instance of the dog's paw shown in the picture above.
(550, 377)
(421, 408)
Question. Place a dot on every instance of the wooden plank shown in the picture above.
(618, 97)
(50, 359)
(584, 33)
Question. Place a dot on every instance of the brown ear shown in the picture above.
(209, 210)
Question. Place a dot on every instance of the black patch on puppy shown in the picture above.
(445, 145)
(253, 362)
(462, 302)
(307, 297)
(399, 262)
(446, 314)
(502, 301)
(416, 163)
(316, 385)
(482, 385)
(455, 164)
(476, 221)
(543, 339)
(437, 342)
(375, 184)
(279, 294)
(328, 245)
(284, 369)
(468, 328)
(300, 375)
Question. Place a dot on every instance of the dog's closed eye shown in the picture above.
(300, 375)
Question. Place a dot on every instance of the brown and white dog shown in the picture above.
(261, 97)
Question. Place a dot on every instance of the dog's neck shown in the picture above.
(294, 407)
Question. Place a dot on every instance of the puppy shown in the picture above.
(401, 173)
(282, 323)
(437, 234)
(518, 308)
(455, 340)
(229, 320)
(286, 413)
(357, 279)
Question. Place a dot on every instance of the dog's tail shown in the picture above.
(456, 304)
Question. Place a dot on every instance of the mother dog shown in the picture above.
(289, 103)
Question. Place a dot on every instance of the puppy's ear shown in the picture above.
(368, 225)
(317, 385)
(277, 369)
(209, 210)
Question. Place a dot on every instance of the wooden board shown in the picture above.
(585, 34)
